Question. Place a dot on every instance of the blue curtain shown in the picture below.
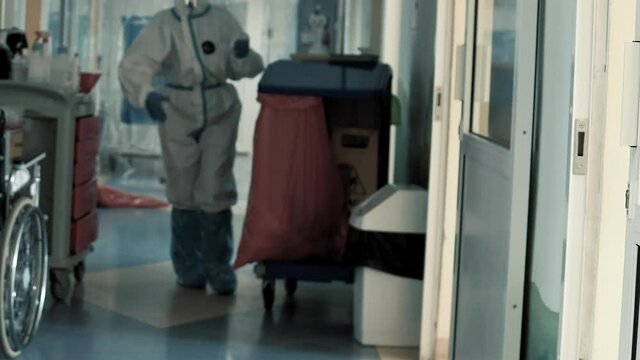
(133, 25)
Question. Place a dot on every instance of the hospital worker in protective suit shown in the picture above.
(196, 48)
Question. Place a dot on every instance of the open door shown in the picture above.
(631, 301)
(496, 142)
(630, 136)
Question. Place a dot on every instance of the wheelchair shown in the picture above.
(23, 250)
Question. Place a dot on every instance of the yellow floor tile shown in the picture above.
(398, 353)
(149, 294)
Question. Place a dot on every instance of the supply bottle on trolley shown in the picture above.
(40, 60)
(20, 67)
(17, 41)
(65, 70)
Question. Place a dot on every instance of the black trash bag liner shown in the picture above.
(397, 254)
(5, 62)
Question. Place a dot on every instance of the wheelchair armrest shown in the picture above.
(31, 163)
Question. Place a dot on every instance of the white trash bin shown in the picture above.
(388, 308)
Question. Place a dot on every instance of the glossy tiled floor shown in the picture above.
(130, 308)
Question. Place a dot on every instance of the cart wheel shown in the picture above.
(79, 271)
(60, 284)
(291, 285)
(268, 294)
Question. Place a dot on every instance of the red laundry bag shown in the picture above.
(296, 204)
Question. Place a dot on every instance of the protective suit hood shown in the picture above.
(183, 9)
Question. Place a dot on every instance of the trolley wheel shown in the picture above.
(268, 293)
(79, 270)
(23, 276)
(60, 284)
(291, 285)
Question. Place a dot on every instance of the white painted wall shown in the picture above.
(256, 25)
(390, 54)
(362, 28)
(15, 12)
(614, 184)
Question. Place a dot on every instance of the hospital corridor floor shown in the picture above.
(129, 307)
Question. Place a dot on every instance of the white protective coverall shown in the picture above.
(199, 135)
(192, 49)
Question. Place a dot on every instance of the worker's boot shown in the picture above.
(218, 249)
(186, 248)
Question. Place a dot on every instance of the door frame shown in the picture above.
(438, 176)
(585, 185)
(582, 236)
(575, 336)
(516, 160)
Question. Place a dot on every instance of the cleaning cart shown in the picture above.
(62, 125)
(356, 106)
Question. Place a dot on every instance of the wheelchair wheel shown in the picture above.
(23, 276)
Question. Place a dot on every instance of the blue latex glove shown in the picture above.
(241, 48)
(154, 106)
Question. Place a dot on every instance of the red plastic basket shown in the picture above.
(88, 81)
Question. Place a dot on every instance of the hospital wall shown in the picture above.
(398, 53)
(14, 14)
(420, 103)
(414, 72)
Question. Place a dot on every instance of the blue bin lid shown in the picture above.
(325, 79)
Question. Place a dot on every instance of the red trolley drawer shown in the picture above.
(88, 128)
(85, 199)
(87, 149)
(84, 232)
(84, 172)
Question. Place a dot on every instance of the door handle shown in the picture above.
(627, 198)
(581, 148)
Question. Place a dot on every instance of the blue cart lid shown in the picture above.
(325, 79)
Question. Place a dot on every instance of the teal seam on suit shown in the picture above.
(204, 12)
(199, 57)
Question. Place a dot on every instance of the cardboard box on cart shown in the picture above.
(356, 153)
(355, 131)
